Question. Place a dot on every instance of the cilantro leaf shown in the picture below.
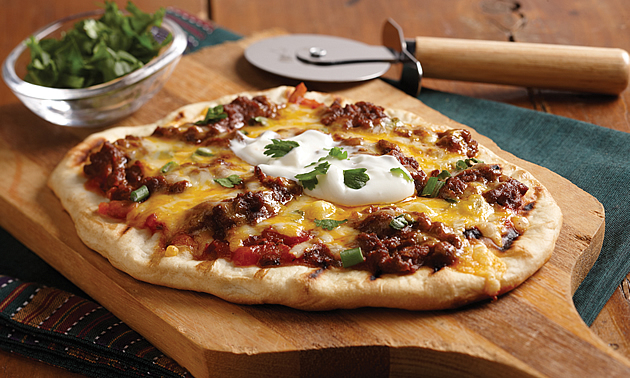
(213, 115)
(355, 178)
(338, 152)
(96, 50)
(400, 172)
(329, 224)
(229, 182)
(278, 148)
(309, 179)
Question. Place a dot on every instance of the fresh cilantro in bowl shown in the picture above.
(96, 51)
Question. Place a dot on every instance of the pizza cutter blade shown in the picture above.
(311, 57)
(320, 58)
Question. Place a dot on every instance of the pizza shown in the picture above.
(308, 200)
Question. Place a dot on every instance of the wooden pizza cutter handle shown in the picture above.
(574, 68)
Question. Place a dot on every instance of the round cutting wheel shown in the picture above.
(278, 55)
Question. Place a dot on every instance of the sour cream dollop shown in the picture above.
(385, 184)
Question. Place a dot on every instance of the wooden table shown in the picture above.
(603, 23)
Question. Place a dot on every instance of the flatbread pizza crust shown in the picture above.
(132, 250)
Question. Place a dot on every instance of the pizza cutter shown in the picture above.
(320, 58)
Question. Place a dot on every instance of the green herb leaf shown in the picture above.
(338, 153)
(213, 115)
(309, 179)
(230, 181)
(335, 152)
(355, 178)
(329, 224)
(96, 50)
(278, 148)
(168, 167)
(401, 221)
(351, 257)
(400, 172)
(140, 194)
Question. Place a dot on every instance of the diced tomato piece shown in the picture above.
(216, 250)
(297, 97)
(246, 256)
(116, 209)
(278, 238)
(298, 94)
(153, 224)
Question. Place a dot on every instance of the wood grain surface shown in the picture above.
(590, 23)
(533, 331)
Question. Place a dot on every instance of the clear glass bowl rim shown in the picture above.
(21, 87)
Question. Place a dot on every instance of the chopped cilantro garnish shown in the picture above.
(338, 152)
(329, 224)
(400, 172)
(335, 152)
(213, 115)
(229, 182)
(355, 178)
(309, 179)
(96, 51)
(278, 148)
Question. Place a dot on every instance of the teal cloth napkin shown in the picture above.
(592, 157)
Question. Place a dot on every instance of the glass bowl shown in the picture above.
(97, 105)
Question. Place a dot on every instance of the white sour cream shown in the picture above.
(383, 186)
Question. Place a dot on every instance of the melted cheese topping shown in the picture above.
(330, 199)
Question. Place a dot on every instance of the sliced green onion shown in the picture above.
(401, 172)
(260, 120)
(428, 188)
(465, 164)
(444, 175)
(461, 165)
(203, 151)
(401, 221)
(432, 188)
(351, 257)
(168, 167)
(140, 194)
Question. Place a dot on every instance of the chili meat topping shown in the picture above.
(417, 242)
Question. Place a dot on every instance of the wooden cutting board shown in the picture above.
(532, 331)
